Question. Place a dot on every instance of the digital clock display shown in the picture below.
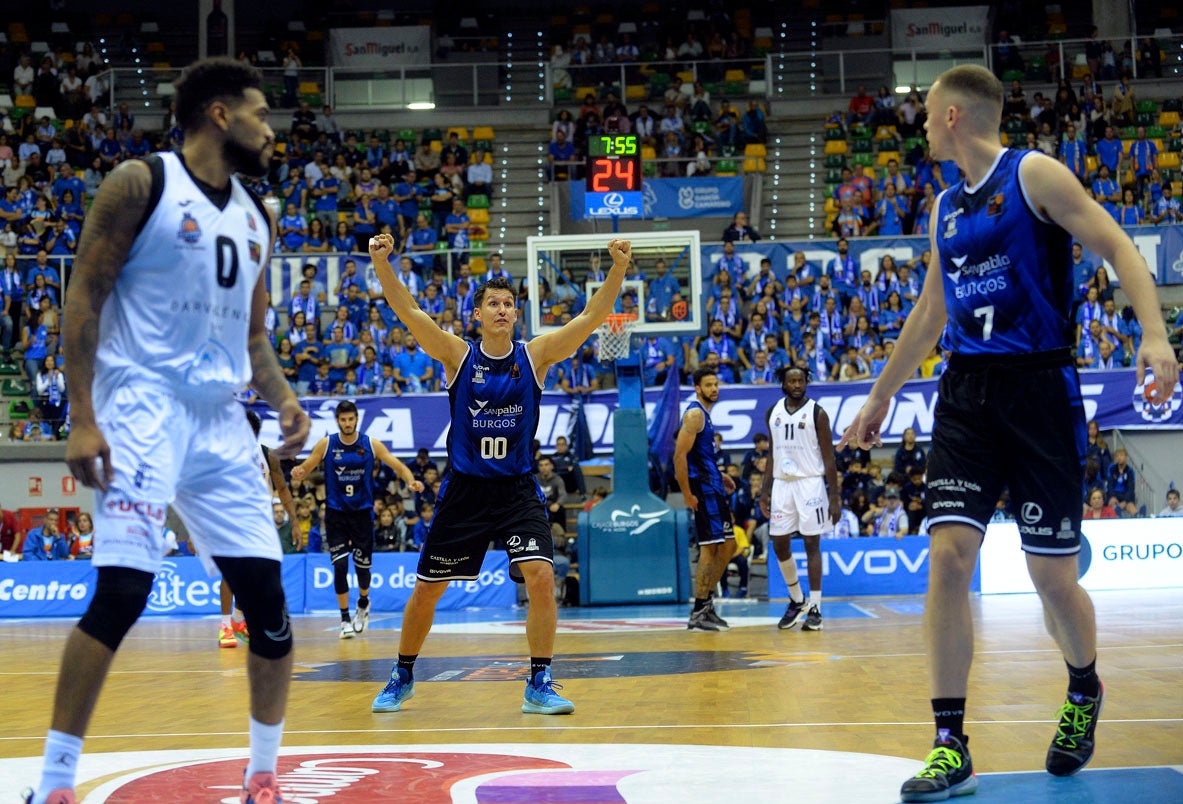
(613, 176)
(613, 145)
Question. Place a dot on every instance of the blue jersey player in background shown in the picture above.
(349, 507)
(489, 492)
(706, 491)
(1010, 411)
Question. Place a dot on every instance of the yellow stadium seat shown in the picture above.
(1177, 188)
(1125, 146)
(687, 76)
(459, 131)
(437, 146)
(885, 133)
(488, 160)
(26, 102)
(583, 92)
(753, 164)
(1090, 164)
(483, 133)
(869, 172)
(831, 205)
(478, 216)
(1169, 160)
(762, 42)
(635, 92)
(835, 147)
(885, 156)
(648, 153)
(735, 75)
(1168, 119)
(309, 88)
(477, 264)
(755, 149)
(1005, 138)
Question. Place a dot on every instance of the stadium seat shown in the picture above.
(460, 132)
(6, 102)
(886, 156)
(18, 409)
(478, 201)
(834, 133)
(308, 88)
(755, 149)
(436, 146)
(836, 160)
(726, 167)
(1168, 119)
(406, 135)
(14, 387)
(480, 133)
(831, 205)
(1169, 160)
(835, 147)
(863, 160)
(833, 176)
(1146, 107)
(687, 76)
(480, 216)
(1176, 144)
(648, 153)
(45, 111)
(583, 92)
(635, 92)
(1090, 164)
(753, 164)
(863, 147)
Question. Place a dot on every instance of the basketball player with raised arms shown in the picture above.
(1010, 411)
(166, 321)
(348, 459)
(489, 491)
(801, 468)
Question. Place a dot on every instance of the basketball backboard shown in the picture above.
(669, 303)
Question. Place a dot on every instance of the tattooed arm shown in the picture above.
(268, 379)
(107, 237)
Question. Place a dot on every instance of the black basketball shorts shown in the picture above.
(350, 533)
(471, 512)
(1017, 424)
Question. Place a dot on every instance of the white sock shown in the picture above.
(60, 763)
(788, 568)
(264, 747)
(237, 617)
(226, 620)
(815, 599)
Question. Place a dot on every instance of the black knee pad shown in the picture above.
(363, 578)
(341, 576)
(119, 598)
(257, 584)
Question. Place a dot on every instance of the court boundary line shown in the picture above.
(559, 727)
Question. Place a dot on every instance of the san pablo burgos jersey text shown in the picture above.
(1006, 268)
(700, 461)
(495, 405)
(348, 472)
(180, 311)
(796, 453)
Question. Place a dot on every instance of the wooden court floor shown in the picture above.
(638, 678)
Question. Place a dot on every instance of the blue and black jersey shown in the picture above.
(1007, 268)
(348, 468)
(700, 461)
(495, 404)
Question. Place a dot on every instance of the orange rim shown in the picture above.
(618, 321)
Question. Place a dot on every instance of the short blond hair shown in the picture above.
(978, 85)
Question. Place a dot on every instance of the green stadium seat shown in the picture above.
(478, 202)
(863, 147)
(562, 94)
(864, 160)
(726, 167)
(1145, 118)
(1146, 107)
(833, 176)
(835, 161)
(1012, 75)
(1172, 105)
(1156, 132)
(484, 145)
(407, 135)
(14, 387)
(430, 134)
(835, 134)
(18, 409)
(9, 370)
(1176, 144)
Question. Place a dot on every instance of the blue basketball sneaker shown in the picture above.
(541, 698)
(398, 689)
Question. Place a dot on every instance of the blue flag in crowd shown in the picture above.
(582, 445)
(663, 427)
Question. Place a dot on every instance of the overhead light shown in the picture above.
(902, 90)
(421, 106)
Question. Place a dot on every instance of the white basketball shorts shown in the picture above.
(800, 506)
(199, 457)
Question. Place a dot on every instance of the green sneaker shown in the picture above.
(948, 771)
(1073, 745)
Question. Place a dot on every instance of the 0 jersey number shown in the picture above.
(227, 261)
(494, 448)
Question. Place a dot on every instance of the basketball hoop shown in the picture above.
(616, 335)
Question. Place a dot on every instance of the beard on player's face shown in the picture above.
(244, 159)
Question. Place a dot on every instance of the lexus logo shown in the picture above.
(614, 200)
(1031, 513)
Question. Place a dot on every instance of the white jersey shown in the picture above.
(265, 468)
(179, 314)
(796, 453)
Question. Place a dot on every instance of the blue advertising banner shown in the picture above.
(612, 205)
(412, 421)
(706, 197)
(1161, 246)
(394, 578)
(866, 566)
(64, 588)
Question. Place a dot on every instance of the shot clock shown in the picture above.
(613, 176)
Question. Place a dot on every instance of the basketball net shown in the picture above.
(616, 335)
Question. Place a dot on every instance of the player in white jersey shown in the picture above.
(233, 628)
(800, 469)
(166, 315)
